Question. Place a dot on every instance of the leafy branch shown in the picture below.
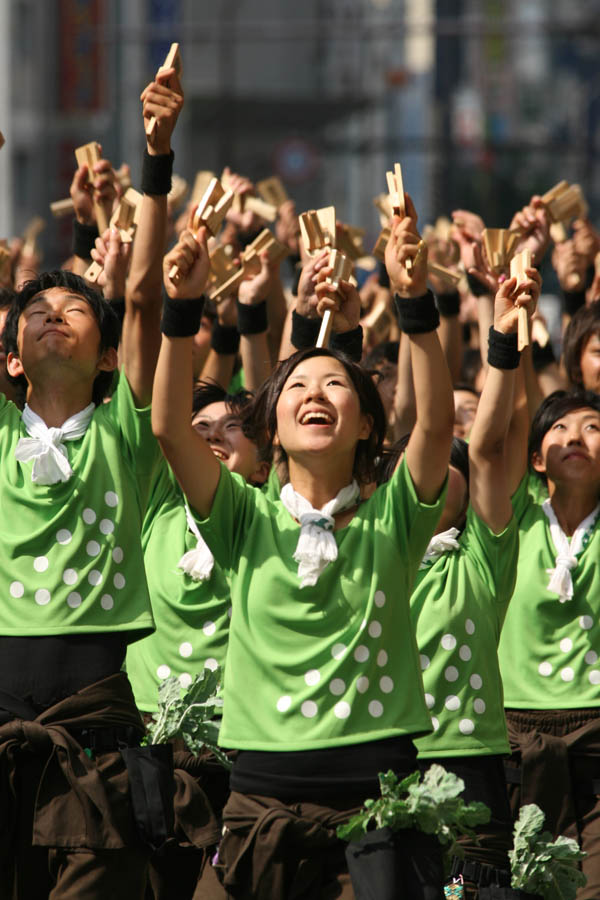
(539, 864)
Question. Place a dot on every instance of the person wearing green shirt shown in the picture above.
(319, 695)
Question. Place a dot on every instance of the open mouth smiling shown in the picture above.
(220, 453)
(316, 417)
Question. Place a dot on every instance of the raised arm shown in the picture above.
(488, 449)
(253, 321)
(195, 466)
(141, 338)
(428, 450)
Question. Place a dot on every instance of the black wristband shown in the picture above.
(252, 319)
(573, 301)
(84, 239)
(542, 356)
(348, 342)
(118, 304)
(181, 318)
(305, 331)
(448, 304)
(225, 339)
(502, 350)
(417, 315)
(156, 173)
(476, 287)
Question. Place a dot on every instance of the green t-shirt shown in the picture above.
(457, 607)
(70, 553)
(192, 617)
(327, 665)
(549, 651)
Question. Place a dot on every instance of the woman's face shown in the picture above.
(222, 431)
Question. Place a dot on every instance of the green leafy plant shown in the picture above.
(539, 864)
(188, 714)
(431, 805)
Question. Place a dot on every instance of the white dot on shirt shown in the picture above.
(106, 526)
(284, 703)
(476, 681)
(424, 661)
(362, 684)
(111, 499)
(341, 710)
(466, 726)
(361, 654)
(92, 548)
(16, 590)
(209, 628)
(382, 658)
(452, 702)
(338, 650)
(567, 674)
(118, 555)
(375, 709)
(74, 600)
(386, 684)
(70, 576)
(312, 677)
(163, 672)
(594, 676)
(566, 644)
(430, 701)
(545, 669)
(591, 657)
(479, 706)
(40, 563)
(88, 516)
(308, 709)
(185, 649)
(465, 653)
(64, 536)
(451, 673)
(586, 622)
(95, 577)
(106, 601)
(185, 679)
(379, 598)
(469, 626)
(337, 686)
(375, 629)
(435, 722)
(211, 664)
(42, 597)
(119, 581)
(448, 642)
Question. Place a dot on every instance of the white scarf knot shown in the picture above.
(439, 544)
(316, 546)
(197, 563)
(561, 582)
(45, 445)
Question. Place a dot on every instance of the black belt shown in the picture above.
(480, 873)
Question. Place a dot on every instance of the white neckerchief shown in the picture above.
(316, 544)
(197, 563)
(438, 545)
(561, 582)
(45, 445)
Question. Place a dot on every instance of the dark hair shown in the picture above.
(106, 317)
(468, 388)
(387, 351)
(471, 366)
(459, 458)
(553, 408)
(584, 323)
(264, 411)
(6, 297)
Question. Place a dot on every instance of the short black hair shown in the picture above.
(583, 325)
(387, 351)
(106, 317)
(264, 411)
(6, 297)
(459, 458)
(553, 408)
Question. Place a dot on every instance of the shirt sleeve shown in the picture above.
(233, 510)
(495, 555)
(521, 499)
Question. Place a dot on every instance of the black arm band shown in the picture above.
(502, 350)
(348, 342)
(417, 315)
(542, 356)
(156, 173)
(118, 304)
(476, 287)
(573, 301)
(252, 319)
(84, 238)
(181, 318)
(305, 331)
(225, 339)
(448, 304)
